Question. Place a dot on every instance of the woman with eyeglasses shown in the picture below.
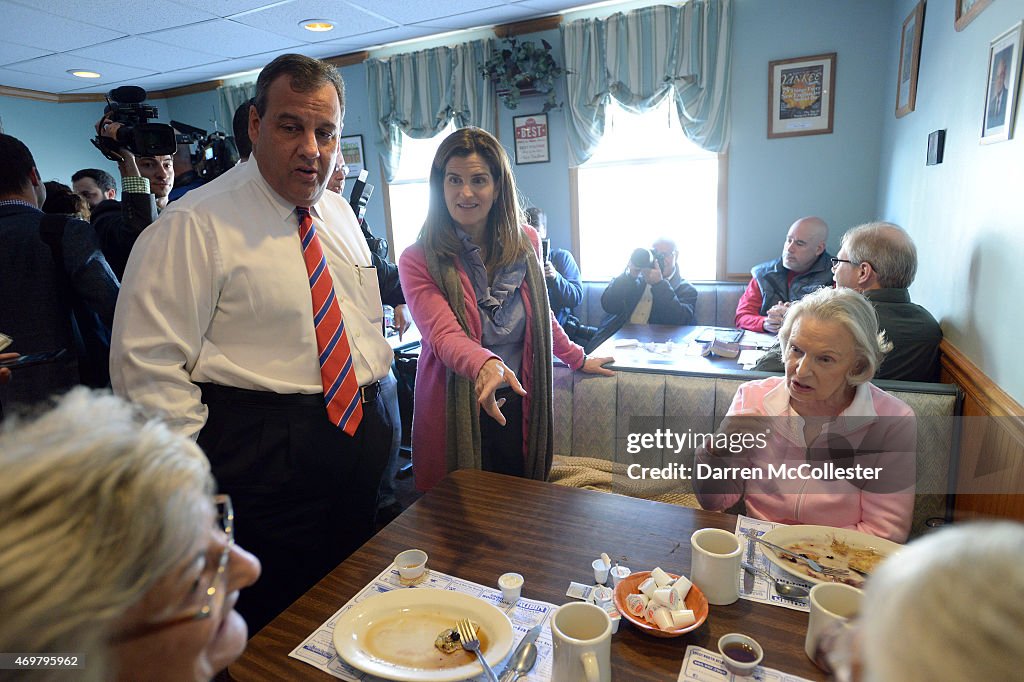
(113, 548)
(821, 445)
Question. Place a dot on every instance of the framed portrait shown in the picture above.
(532, 141)
(966, 10)
(1001, 92)
(352, 150)
(801, 95)
(910, 58)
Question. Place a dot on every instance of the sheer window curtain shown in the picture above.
(643, 56)
(419, 92)
(231, 96)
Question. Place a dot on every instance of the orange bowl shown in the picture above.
(695, 601)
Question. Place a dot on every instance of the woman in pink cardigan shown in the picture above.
(822, 445)
(475, 287)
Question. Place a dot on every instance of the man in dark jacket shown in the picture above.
(565, 289)
(803, 267)
(651, 294)
(47, 269)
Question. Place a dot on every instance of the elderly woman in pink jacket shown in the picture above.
(475, 286)
(821, 445)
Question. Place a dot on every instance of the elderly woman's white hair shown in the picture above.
(852, 311)
(96, 504)
(949, 607)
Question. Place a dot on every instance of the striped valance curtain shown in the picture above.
(419, 92)
(643, 56)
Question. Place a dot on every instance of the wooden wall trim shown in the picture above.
(24, 93)
(976, 383)
(349, 59)
(529, 26)
(205, 86)
(991, 442)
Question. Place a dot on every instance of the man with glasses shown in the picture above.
(252, 318)
(802, 268)
(880, 261)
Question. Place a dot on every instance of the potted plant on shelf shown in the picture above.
(523, 68)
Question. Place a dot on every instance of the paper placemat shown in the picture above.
(763, 591)
(318, 648)
(702, 665)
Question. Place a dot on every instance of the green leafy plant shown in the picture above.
(523, 68)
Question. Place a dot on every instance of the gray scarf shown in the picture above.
(463, 414)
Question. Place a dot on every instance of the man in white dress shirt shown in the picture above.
(215, 329)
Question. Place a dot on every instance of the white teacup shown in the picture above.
(582, 637)
(715, 556)
(833, 605)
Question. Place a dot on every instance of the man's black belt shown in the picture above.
(244, 396)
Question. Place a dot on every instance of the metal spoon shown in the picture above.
(784, 589)
(522, 663)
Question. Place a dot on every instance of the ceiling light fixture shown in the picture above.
(83, 74)
(317, 25)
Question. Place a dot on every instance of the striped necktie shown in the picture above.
(341, 392)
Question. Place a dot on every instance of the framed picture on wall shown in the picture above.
(1001, 92)
(352, 150)
(910, 58)
(966, 10)
(532, 141)
(801, 95)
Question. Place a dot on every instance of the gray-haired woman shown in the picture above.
(829, 447)
(113, 547)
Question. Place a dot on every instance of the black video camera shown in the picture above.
(361, 191)
(126, 105)
(214, 154)
(645, 259)
(577, 331)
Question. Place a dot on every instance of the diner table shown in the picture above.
(477, 525)
(674, 350)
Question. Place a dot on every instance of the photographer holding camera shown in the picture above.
(140, 150)
(650, 291)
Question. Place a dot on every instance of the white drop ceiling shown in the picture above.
(163, 44)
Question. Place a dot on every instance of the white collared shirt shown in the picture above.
(216, 291)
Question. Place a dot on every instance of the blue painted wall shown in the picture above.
(966, 214)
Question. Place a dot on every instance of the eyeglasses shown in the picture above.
(345, 170)
(837, 261)
(211, 586)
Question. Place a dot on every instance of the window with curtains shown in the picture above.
(646, 180)
(407, 194)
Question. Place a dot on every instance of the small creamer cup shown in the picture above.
(715, 563)
(618, 573)
(511, 585)
(600, 571)
(411, 564)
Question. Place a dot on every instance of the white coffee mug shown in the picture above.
(832, 606)
(715, 556)
(582, 637)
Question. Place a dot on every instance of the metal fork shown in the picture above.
(467, 635)
(814, 565)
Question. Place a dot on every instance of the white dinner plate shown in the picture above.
(785, 536)
(391, 635)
